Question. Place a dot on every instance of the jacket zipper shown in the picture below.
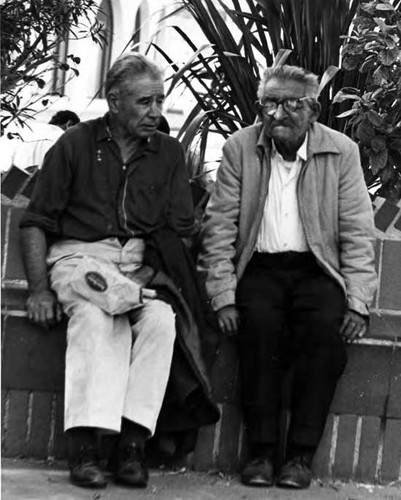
(300, 206)
(321, 262)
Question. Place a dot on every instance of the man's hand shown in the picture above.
(42, 305)
(354, 326)
(228, 320)
(43, 308)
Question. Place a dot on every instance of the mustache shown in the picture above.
(284, 121)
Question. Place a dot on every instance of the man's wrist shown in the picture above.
(366, 317)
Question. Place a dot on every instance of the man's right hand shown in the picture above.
(43, 308)
(228, 320)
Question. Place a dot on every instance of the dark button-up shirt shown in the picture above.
(85, 191)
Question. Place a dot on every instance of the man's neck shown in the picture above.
(288, 151)
(127, 143)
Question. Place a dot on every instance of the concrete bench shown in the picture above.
(362, 438)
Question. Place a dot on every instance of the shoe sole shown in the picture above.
(89, 485)
(130, 483)
(292, 485)
(258, 482)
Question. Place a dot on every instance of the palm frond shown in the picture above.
(242, 37)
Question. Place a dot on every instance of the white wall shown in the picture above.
(80, 92)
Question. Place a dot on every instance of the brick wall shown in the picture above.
(362, 439)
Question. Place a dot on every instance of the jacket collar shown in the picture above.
(318, 141)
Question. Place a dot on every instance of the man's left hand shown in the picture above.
(354, 326)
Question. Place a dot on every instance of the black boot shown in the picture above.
(83, 459)
(130, 466)
(296, 472)
(127, 461)
(259, 469)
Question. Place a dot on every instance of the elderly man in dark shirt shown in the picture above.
(105, 186)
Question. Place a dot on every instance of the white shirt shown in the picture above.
(30, 147)
(281, 228)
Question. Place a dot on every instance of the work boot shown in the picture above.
(83, 458)
(128, 466)
(296, 473)
(258, 472)
(85, 470)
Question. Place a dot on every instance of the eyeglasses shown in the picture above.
(290, 105)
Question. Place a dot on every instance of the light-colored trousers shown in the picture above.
(114, 369)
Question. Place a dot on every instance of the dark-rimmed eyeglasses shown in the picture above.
(290, 105)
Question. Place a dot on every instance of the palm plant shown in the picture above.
(243, 37)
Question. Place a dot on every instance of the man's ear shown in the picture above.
(67, 125)
(112, 100)
(316, 108)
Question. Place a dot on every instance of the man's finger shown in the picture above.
(344, 326)
(222, 325)
(43, 317)
(59, 312)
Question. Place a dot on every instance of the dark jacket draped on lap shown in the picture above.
(188, 403)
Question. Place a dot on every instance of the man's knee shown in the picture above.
(160, 319)
(89, 321)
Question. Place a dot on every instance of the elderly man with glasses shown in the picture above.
(287, 257)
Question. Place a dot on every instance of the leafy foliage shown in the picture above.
(374, 121)
(31, 31)
(244, 36)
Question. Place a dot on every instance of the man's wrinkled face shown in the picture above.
(137, 106)
(287, 127)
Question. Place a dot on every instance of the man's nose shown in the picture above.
(279, 112)
(155, 109)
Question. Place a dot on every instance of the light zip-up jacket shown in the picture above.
(334, 205)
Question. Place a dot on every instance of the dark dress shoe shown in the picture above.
(296, 473)
(128, 466)
(85, 470)
(258, 472)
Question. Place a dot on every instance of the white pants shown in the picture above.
(113, 369)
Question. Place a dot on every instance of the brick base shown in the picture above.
(361, 439)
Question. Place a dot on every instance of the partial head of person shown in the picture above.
(64, 119)
(287, 97)
(135, 95)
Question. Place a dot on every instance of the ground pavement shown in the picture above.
(32, 480)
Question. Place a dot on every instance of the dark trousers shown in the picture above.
(291, 313)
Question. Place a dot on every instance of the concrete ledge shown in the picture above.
(361, 439)
(362, 435)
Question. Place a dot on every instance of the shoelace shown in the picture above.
(87, 455)
(132, 452)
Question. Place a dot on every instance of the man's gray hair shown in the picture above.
(293, 73)
(129, 67)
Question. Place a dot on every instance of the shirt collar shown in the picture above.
(151, 143)
(103, 129)
(264, 142)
